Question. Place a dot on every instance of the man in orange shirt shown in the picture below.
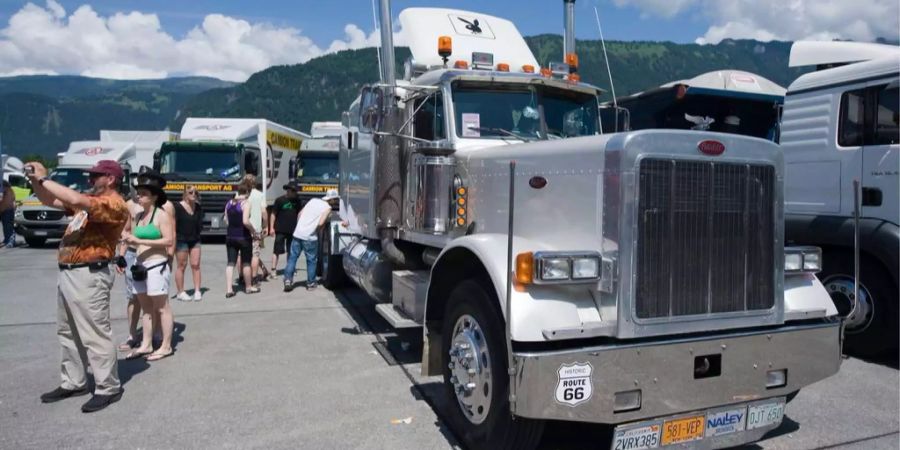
(85, 279)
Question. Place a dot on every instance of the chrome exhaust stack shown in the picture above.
(569, 20)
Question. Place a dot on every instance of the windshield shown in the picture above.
(524, 112)
(214, 163)
(76, 179)
(319, 169)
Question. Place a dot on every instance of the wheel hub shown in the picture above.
(470, 371)
(840, 288)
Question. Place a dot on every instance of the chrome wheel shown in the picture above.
(470, 371)
(840, 288)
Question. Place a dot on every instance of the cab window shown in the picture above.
(887, 130)
(851, 126)
(428, 122)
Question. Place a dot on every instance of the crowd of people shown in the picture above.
(145, 239)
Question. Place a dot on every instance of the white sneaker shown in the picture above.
(183, 296)
(198, 295)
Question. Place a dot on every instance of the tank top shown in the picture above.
(149, 231)
(236, 228)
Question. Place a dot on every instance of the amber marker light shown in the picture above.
(502, 67)
(574, 78)
(572, 60)
(460, 64)
(445, 46)
(545, 71)
(461, 191)
(525, 268)
(461, 201)
(528, 68)
(460, 221)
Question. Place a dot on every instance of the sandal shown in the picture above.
(155, 356)
(229, 294)
(253, 290)
(136, 354)
(128, 344)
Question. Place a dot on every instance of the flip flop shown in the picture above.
(159, 356)
(127, 345)
(229, 294)
(136, 354)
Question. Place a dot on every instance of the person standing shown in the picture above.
(127, 257)
(282, 221)
(85, 280)
(238, 240)
(259, 219)
(188, 225)
(8, 214)
(311, 217)
(152, 234)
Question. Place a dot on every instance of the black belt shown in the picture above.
(96, 265)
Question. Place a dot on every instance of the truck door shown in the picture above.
(851, 134)
(881, 153)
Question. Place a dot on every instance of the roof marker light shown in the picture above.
(445, 47)
(460, 64)
(546, 72)
(572, 61)
(502, 67)
(528, 68)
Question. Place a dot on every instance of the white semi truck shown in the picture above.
(840, 125)
(132, 149)
(635, 279)
(317, 168)
(213, 155)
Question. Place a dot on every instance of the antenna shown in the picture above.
(612, 87)
(377, 28)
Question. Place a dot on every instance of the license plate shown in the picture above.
(637, 438)
(726, 422)
(683, 430)
(766, 414)
(40, 233)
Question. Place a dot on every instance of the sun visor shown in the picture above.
(471, 33)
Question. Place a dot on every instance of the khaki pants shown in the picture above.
(83, 327)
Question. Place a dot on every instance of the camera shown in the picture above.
(29, 170)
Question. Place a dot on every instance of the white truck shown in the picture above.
(317, 168)
(132, 149)
(840, 125)
(213, 155)
(635, 279)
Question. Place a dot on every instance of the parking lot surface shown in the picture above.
(316, 369)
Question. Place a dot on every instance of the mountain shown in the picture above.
(322, 88)
(42, 114)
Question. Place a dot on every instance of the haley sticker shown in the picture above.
(575, 386)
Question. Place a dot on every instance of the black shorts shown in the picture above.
(282, 243)
(239, 246)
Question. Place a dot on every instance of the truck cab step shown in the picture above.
(395, 317)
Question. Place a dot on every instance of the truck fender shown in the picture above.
(805, 298)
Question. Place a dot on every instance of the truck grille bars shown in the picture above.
(705, 238)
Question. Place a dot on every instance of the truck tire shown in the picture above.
(35, 242)
(872, 329)
(475, 374)
(331, 267)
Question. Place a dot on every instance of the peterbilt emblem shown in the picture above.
(711, 147)
(472, 26)
(93, 151)
(42, 215)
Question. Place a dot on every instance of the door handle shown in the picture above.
(871, 196)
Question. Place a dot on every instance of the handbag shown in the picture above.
(139, 271)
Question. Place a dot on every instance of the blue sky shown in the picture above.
(231, 39)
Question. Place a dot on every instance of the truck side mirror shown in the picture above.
(292, 168)
(156, 161)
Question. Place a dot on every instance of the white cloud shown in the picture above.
(862, 20)
(134, 45)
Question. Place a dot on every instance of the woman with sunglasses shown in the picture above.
(188, 225)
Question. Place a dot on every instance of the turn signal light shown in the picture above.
(445, 46)
(525, 268)
(528, 68)
(502, 67)
(460, 64)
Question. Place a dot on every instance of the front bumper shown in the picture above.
(37, 229)
(664, 373)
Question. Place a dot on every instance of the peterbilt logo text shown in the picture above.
(211, 127)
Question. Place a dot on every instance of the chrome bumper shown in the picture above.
(664, 372)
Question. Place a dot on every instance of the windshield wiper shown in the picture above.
(501, 131)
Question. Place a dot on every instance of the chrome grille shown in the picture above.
(705, 238)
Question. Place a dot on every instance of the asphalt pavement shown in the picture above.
(315, 369)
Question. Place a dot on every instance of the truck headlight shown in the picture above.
(557, 267)
(802, 260)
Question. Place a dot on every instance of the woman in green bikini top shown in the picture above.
(150, 233)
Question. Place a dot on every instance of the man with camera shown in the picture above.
(85, 279)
